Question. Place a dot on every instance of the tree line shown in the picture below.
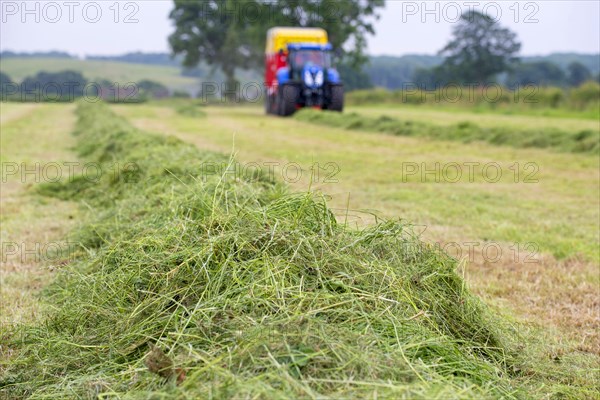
(228, 36)
(480, 51)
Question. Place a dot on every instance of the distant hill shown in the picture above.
(18, 68)
(202, 71)
(123, 69)
(384, 71)
(163, 59)
(43, 54)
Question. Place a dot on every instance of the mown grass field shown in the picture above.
(26, 218)
(447, 116)
(553, 206)
(558, 214)
(374, 163)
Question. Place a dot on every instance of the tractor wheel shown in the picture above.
(268, 101)
(287, 98)
(337, 98)
(272, 103)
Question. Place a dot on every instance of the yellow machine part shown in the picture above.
(279, 37)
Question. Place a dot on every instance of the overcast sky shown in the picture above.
(108, 28)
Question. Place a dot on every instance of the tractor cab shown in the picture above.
(309, 64)
(302, 54)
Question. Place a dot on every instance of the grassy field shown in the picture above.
(447, 116)
(581, 102)
(380, 165)
(549, 216)
(28, 219)
(94, 70)
(542, 214)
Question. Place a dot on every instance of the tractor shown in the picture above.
(299, 72)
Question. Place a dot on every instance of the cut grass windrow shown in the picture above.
(585, 141)
(189, 285)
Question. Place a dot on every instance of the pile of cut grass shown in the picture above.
(243, 290)
(585, 141)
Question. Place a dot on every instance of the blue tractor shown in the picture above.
(307, 80)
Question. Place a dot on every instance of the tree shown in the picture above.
(396, 72)
(541, 73)
(56, 86)
(230, 34)
(4, 81)
(348, 21)
(354, 79)
(578, 73)
(152, 88)
(480, 49)
(430, 78)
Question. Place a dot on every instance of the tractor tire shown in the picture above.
(337, 98)
(272, 104)
(268, 105)
(287, 99)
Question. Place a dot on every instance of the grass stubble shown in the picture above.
(30, 223)
(189, 285)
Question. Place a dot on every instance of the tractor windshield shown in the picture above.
(300, 58)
